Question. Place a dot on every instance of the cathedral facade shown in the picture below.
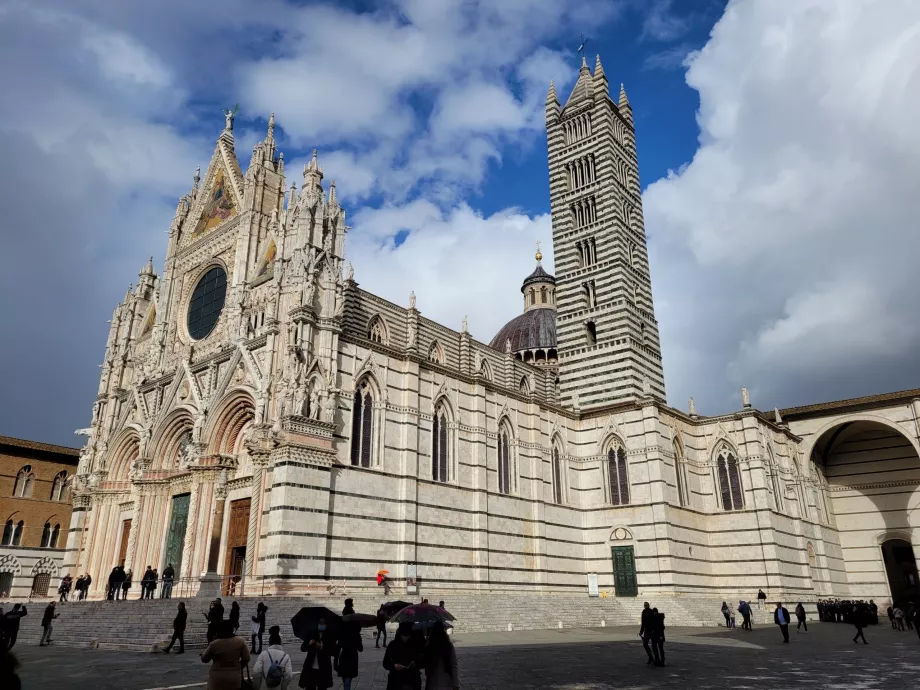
(260, 415)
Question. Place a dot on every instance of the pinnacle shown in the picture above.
(623, 100)
(148, 268)
(598, 68)
(551, 95)
(584, 64)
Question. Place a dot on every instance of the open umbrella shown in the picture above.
(421, 613)
(305, 621)
(383, 572)
(391, 608)
(362, 620)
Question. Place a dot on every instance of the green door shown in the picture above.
(175, 540)
(624, 571)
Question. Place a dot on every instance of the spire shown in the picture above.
(293, 198)
(552, 103)
(332, 193)
(271, 127)
(584, 87)
(625, 107)
(312, 173)
(600, 79)
(551, 96)
(147, 270)
(624, 102)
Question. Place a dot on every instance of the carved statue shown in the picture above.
(646, 386)
(349, 272)
(309, 289)
(313, 411)
(329, 405)
(198, 427)
(300, 397)
(144, 443)
(412, 300)
(292, 333)
(410, 335)
(465, 326)
(745, 397)
(508, 345)
(692, 408)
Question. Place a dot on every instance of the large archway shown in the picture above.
(872, 471)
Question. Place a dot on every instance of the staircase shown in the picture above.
(144, 625)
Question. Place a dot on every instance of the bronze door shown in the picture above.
(123, 547)
(237, 536)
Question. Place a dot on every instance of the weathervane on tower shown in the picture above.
(581, 47)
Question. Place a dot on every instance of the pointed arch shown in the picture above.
(506, 460)
(231, 418)
(558, 469)
(441, 455)
(125, 450)
(436, 353)
(377, 330)
(524, 386)
(617, 473)
(25, 481)
(60, 487)
(728, 472)
(363, 423)
(171, 439)
(485, 370)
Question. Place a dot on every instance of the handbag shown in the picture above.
(245, 678)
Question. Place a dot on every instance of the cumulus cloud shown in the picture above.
(783, 253)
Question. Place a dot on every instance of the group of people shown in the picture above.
(898, 617)
(651, 630)
(842, 610)
(80, 587)
(330, 649)
(120, 581)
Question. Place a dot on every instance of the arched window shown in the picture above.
(439, 445)
(730, 481)
(7, 533)
(591, 333)
(17, 533)
(46, 535)
(617, 476)
(435, 353)
(377, 332)
(25, 478)
(59, 487)
(362, 426)
(558, 477)
(55, 535)
(679, 469)
(505, 460)
(525, 386)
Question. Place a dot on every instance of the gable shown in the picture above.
(266, 268)
(219, 204)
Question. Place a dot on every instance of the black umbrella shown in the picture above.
(306, 620)
(391, 608)
(421, 613)
(362, 620)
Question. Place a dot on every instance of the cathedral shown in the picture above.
(259, 416)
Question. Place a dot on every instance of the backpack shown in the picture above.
(275, 673)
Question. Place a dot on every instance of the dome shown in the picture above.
(538, 276)
(532, 330)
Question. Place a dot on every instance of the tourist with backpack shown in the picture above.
(273, 665)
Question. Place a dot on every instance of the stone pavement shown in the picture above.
(578, 658)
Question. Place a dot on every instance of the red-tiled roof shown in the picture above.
(866, 401)
(35, 445)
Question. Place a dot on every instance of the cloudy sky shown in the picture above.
(778, 154)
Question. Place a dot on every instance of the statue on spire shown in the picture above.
(229, 115)
(271, 127)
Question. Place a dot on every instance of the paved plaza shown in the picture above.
(571, 658)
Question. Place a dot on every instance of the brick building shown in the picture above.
(35, 511)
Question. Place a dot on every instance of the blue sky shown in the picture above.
(777, 154)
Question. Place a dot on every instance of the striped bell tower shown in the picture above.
(607, 335)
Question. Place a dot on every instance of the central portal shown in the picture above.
(901, 568)
(237, 536)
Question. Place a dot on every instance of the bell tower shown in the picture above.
(607, 335)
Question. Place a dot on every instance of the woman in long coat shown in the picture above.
(317, 667)
(402, 660)
(346, 658)
(440, 660)
(229, 654)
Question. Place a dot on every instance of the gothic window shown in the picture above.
(46, 535)
(729, 481)
(679, 469)
(525, 386)
(377, 332)
(7, 534)
(485, 370)
(17, 533)
(543, 295)
(590, 293)
(362, 426)
(25, 479)
(439, 446)
(591, 333)
(435, 353)
(505, 460)
(617, 476)
(59, 487)
(55, 535)
(558, 477)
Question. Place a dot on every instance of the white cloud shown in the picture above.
(783, 253)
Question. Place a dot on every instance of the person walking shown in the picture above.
(744, 609)
(258, 627)
(859, 621)
(440, 661)
(349, 607)
(215, 617)
(731, 616)
(800, 615)
(317, 666)
(78, 588)
(894, 626)
(234, 616)
(645, 631)
(229, 654)
(110, 593)
(873, 612)
(761, 599)
(179, 623)
(346, 653)
(272, 668)
(10, 623)
(725, 613)
(781, 618)
(125, 583)
(909, 615)
(169, 574)
(47, 625)
(658, 636)
(146, 582)
(64, 589)
(87, 581)
(382, 619)
(402, 661)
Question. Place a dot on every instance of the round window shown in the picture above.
(207, 303)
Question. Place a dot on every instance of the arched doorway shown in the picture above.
(901, 568)
(872, 473)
